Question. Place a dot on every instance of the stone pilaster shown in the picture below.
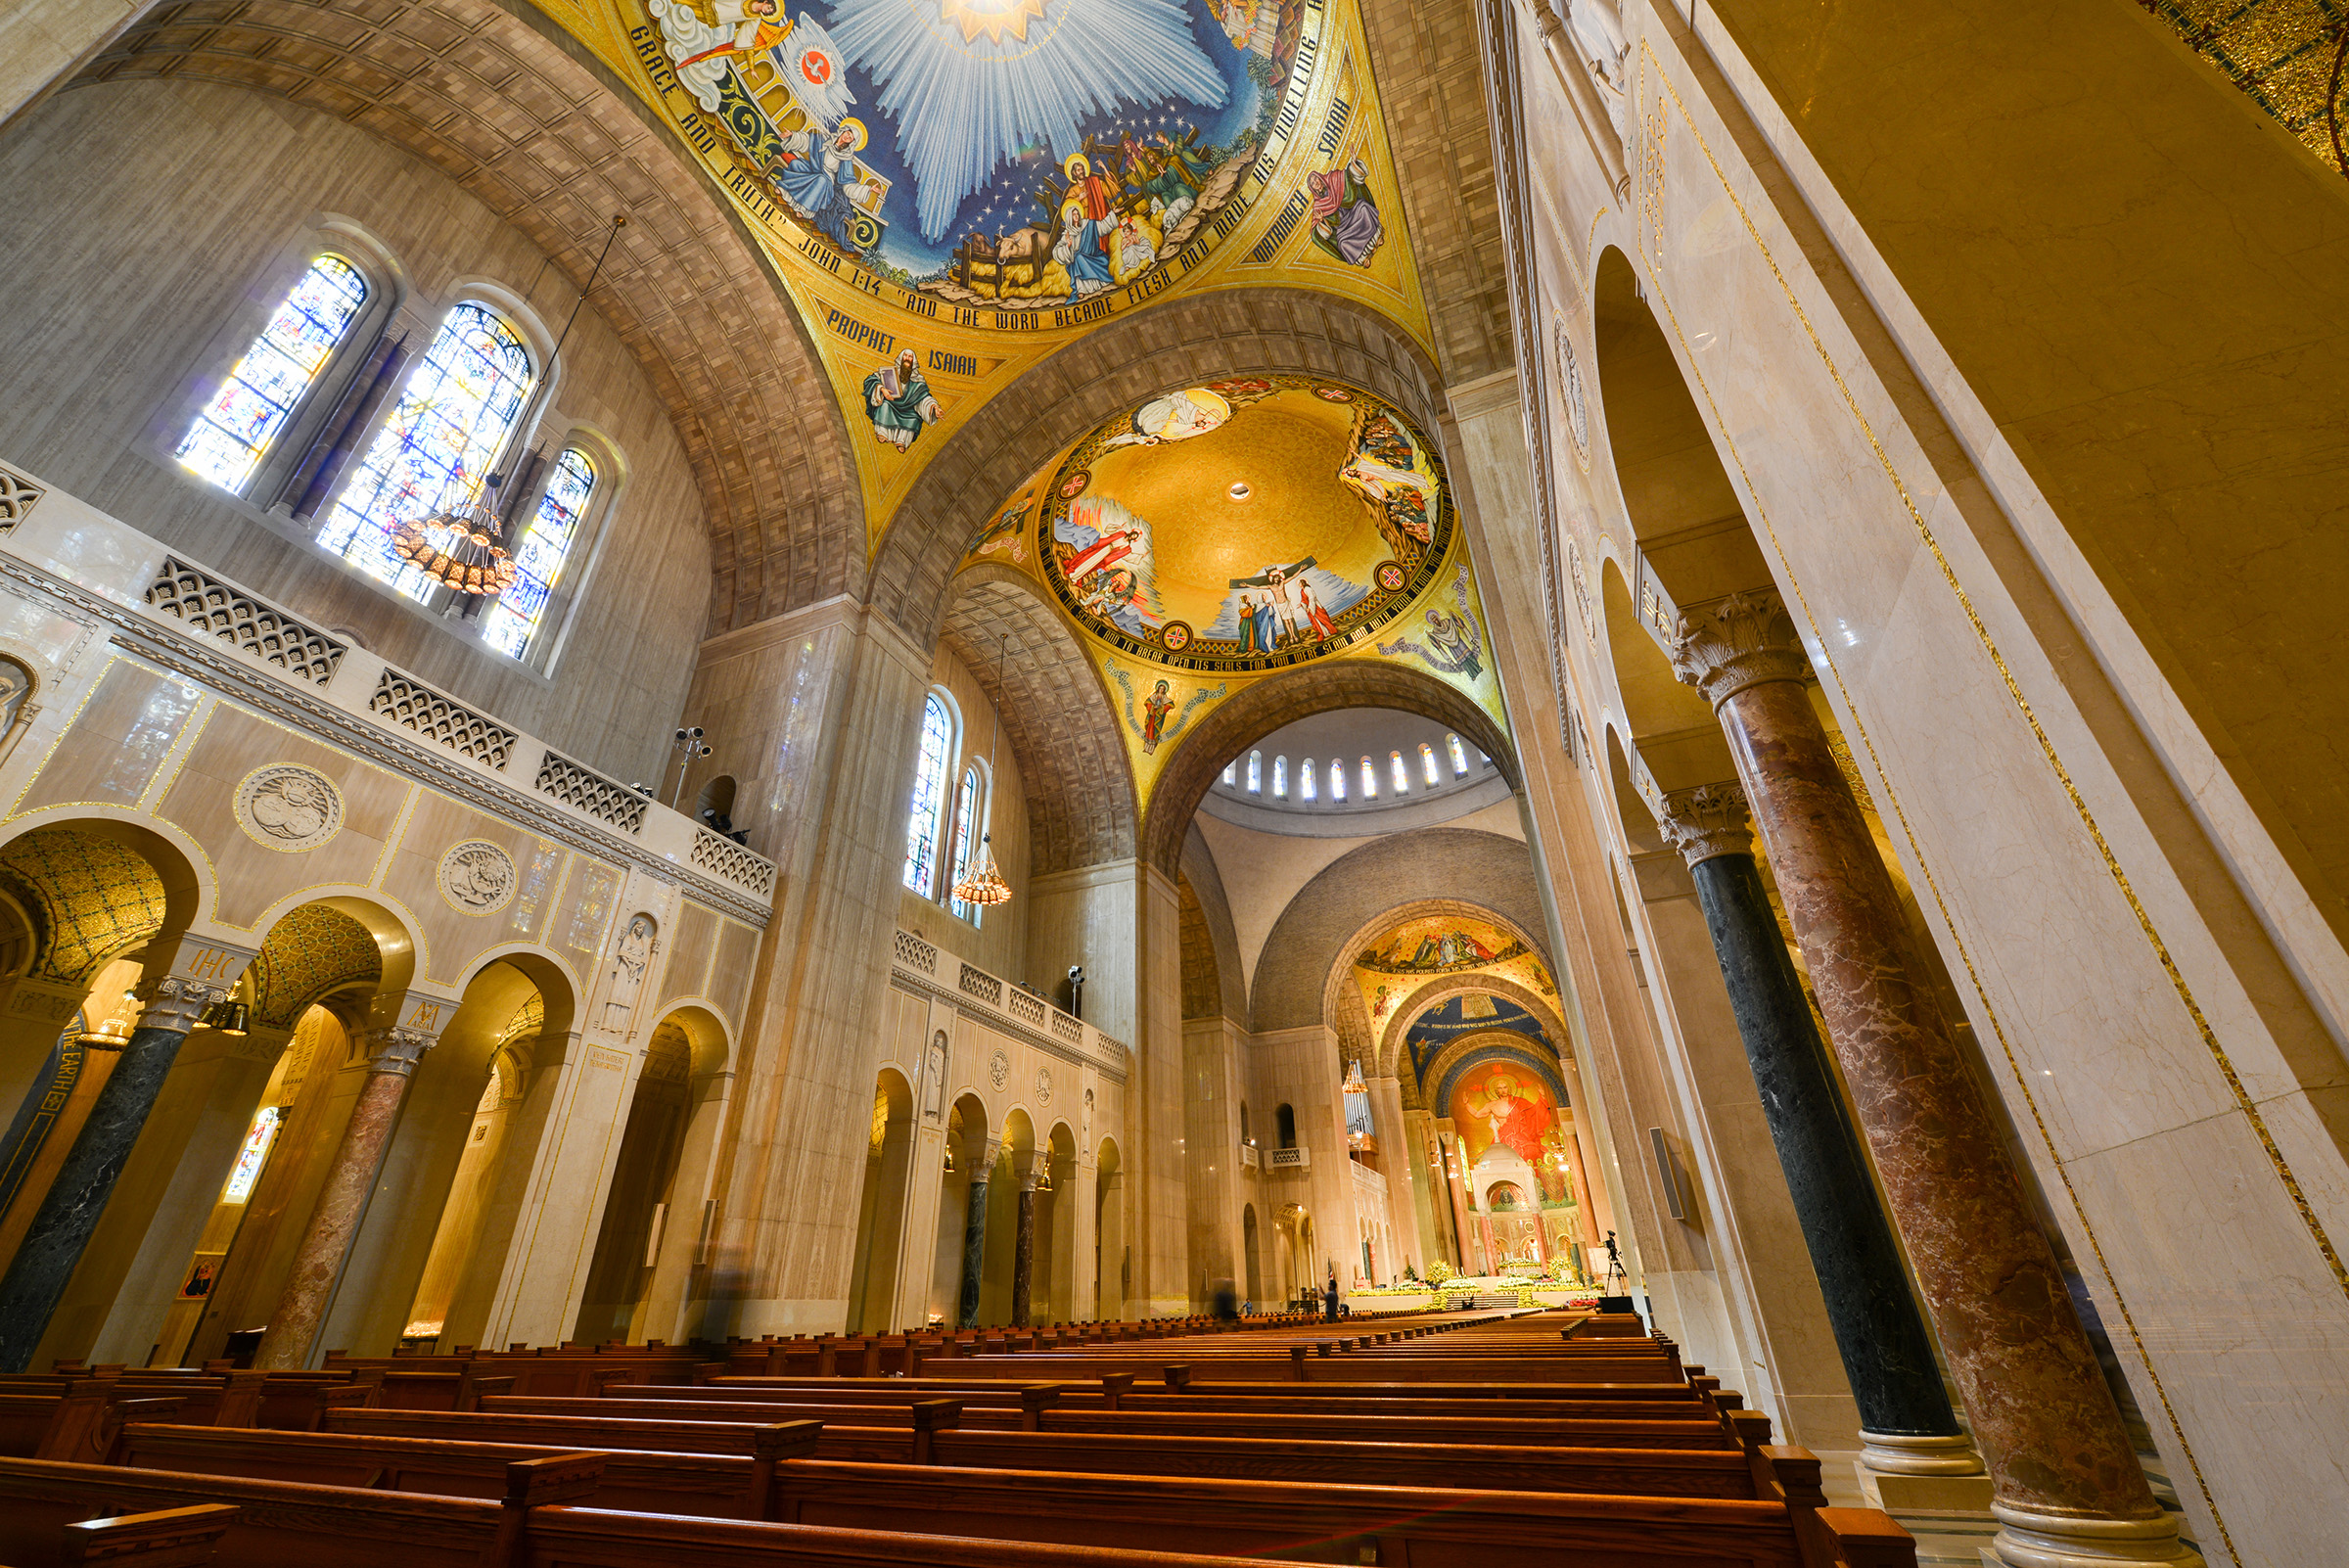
(1887, 1354)
(68, 1213)
(392, 1057)
(2068, 1491)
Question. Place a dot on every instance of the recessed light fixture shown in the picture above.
(1240, 490)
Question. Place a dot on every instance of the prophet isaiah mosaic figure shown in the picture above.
(897, 400)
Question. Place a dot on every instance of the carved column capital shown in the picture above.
(179, 1003)
(1742, 641)
(397, 1049)
(1706, 822)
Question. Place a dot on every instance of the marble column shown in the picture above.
(1906, 1424)
(1023, 1249)
(974, 1240)
(61, 1226)
(2068, 1490)
(392, 1057)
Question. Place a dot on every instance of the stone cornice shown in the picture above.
(232, 675)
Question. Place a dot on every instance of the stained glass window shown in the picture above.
(1227, 772)
(1305, 777)
(1255, 772)
(253, 1154)
(929, 789)
(966, 842)
(228, 439)
(539, 556)
(1369, 781)
(453, 417)
(1403, 774)
(1459, 754)
(1337, 779)
(1280, 779)
(1427, 764)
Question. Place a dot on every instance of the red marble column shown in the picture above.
(2068, 1488)
(335, 1221)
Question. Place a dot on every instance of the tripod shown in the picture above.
(1618, 1283)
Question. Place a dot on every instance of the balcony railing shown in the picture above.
(1287, 1160)
(1006, 1007)
(191, 618)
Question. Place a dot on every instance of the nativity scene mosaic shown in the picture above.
(952, 189)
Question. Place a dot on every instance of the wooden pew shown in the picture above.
(1256, 1517)
(80, 1426)
(170, 1538)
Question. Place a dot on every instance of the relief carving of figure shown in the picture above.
(933, 1078)
(630, 959)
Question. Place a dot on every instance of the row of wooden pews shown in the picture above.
(1474, 1437)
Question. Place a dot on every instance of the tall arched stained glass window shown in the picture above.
(513, 620)
(1337, 780)
(1403, 774)
(228, 439)
(453, 418)
(1305, 777)
(1227, 772)
(1280, 779)
(1427, 764)
(1460, 755)
(1255, 772)
(966, 840)
(1369, 780)
(929, 791)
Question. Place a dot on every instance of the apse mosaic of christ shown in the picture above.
(986, 152)
(1246, 523)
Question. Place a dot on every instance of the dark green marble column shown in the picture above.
(67, 1216)
(974, 1254)
(1887, 1354)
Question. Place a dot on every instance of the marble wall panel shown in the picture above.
(692, 943)
(231, 745)
(451, 931)
(731, 968)
(125, 727)
(585, 911)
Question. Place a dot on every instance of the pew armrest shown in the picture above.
(170, 1538)
(1867, 1537)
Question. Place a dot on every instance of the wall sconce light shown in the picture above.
(230, 1018)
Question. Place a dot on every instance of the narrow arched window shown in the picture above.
(929, 788)
(1401, 774)
(1255, 772)
(1280, 779)
(454, 416)
(1227, 772)
(1285, 1119)
(1305, 777)
(1337, 780)
(1427, 764)
(228, 439)
(1460, 755)
(967, 843)
(539, 554)
(1369, 780)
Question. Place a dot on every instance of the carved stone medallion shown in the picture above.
(1044, 1085)
(999, 1068)
(478, 877)
(289, 807)
(1570, 386)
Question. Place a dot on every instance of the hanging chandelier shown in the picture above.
(463, 546)
(982, 884)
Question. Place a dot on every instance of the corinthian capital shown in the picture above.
(396, 1050)
(176, 1002)
(1742, 641)
(1707, 821)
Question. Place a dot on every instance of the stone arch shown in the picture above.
(1231, 727)
(710, 1044)
(455, 82)
(312, 952)
(1056, 717)
(1189, 339)
(1341, 958)
(1355, 892)
(1545, 1011)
